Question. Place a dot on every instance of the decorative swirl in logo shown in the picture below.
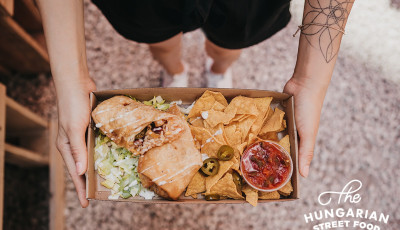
(333, 218)
(347, 192)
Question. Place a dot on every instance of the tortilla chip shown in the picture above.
(233, 137)
(227, 132)
(196, 121)
(251, 195)
(239, 117)
(218, 106)
(210, 147)
(226, 187)
(261, 139)
(242, 105)
(286, 190)
(263, 108)
(283, 126)
(218, 97)
(241, 147)
(274, 123)
(285, 143)
(218, 133)
(252, 138)
(224, 166)
(200, 133)
(174, 109)
(209, 143)
(263, 103)
(206, 102)
(206, 125)
(269, 114)
(194, 196)
(268, 195)
(236, 163)
(197, 144)
(218, 117)
(272, 136)
(245, 125)
(196, 185)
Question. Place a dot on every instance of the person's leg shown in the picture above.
(223, 58)
(168, 54)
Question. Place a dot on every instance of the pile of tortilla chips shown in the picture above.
(243, 121)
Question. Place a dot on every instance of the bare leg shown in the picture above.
(223, 58)
(168, 54)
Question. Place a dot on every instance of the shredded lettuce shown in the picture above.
(118, 167)
(158, 103)
(130, 97)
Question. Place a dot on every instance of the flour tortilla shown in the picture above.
(171, 166)
(120, 118)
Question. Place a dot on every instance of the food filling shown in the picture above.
(118, 167)
(155, 134)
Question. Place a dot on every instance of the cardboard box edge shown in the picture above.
(90, 187)
(90, 190)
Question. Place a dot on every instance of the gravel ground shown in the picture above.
(359, 135)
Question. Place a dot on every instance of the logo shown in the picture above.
(345, 217)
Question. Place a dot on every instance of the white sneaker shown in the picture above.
(218, 80)
(177, 80)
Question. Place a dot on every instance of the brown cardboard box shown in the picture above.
(94, 191)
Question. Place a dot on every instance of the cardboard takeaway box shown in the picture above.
(95, 191)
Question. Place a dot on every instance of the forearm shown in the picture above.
(321, 34)
(64, 30)
(65, 37)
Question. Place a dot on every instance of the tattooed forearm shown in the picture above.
(323, 24)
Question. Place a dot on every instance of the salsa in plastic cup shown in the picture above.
(266, 166)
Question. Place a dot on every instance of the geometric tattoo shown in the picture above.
(326, 19)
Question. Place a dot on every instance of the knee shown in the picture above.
(164, 48)
(215, 51)
(167, 46)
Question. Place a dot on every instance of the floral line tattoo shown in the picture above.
(326, 19)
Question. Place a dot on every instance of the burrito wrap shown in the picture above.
(168, 169)
(121, 119)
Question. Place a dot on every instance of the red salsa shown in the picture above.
(265, 166)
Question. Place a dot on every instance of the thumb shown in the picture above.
(79, 152)
(306, 153)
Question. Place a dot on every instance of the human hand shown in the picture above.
(73, 119)
(308, 100)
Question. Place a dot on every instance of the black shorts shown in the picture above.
(231, 24)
